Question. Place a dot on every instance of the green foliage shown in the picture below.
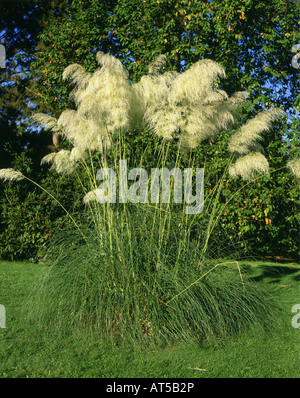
(260, 217)
(20, 26)
(252, 50)
(29, 216)
(69, 35)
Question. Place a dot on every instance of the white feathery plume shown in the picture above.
(137, 105)
(206, 120)
(196, 130)
(156, 88)
(11, 175)
(243, 140)
(48, 158)
(78, 76)
(77, 154)
(103, 103)
(187, 103)
(196, 83)
(294, 166)
(83, 132)
(95, 194)
(46, 120)
(61, 161)
(89, 197)
(165, 121)
(189, 141)
(199, 121)
(214, 97)
(148, 95)
(106, 97)
(247, 166)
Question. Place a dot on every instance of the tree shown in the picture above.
(22, 145)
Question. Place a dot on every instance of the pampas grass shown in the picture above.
(133, 272)
(127, 285)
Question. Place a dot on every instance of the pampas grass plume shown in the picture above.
(247, 166)
(11, 175)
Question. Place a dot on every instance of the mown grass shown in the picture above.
(26, 352)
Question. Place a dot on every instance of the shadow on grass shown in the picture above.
(297, 278)
(274, 272)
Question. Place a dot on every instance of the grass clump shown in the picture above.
(136, 272)
(126, 283)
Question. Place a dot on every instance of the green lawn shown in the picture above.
(26, 353)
